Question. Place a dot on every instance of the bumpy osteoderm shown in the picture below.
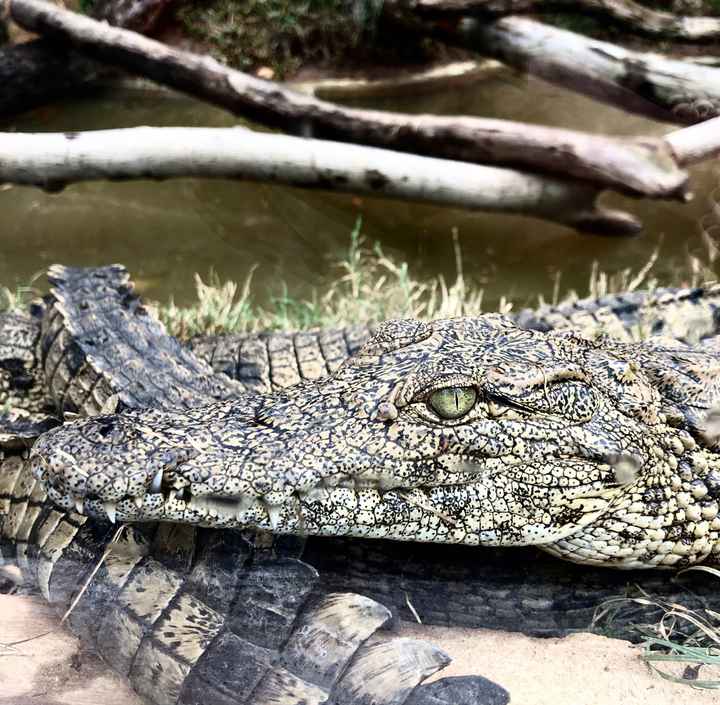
(459, 431)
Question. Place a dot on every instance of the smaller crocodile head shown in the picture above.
(464, 430)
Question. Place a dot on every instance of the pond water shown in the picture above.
(164, 232)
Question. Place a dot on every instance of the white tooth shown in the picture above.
(274, 514)
(316, 494)
(79, 505)
(138, 502)
(244, 503)
(156, 485)
(110, 511)
(111, 404)
(70, 416)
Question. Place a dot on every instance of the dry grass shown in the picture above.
(679, 644)
(368, 286)
(371, 286)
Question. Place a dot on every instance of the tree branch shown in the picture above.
(696, 143)
(640, 167)
(38, 72)
(53, 160)
(636, 17)
(647, 84)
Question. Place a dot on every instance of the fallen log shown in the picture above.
(648, 84)
(639, 167)
(138, 15)
(40, 71)
(54, 160)
(637, 18)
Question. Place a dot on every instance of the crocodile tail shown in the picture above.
(192, 616)
(687, 315)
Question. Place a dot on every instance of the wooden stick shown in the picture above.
(697, 143)
(629, 14)
(54, 160)
(648, 84)
(37, 72)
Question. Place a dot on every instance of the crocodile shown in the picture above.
(469, 430)
(212, 595)
(189, 616)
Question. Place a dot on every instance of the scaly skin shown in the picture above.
(266, 361)
(600, 452)
(205, 609)
(188, 616)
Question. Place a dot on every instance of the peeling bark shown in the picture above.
(648, 84)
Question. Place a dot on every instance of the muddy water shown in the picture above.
(164, 232)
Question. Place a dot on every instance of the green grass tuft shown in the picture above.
(16, 299)
(370, 286)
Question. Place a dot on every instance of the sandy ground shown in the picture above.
(579, 670)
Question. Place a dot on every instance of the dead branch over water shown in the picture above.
(635, 166)
(54, 160)
(652, 85)
(651, 167)
(39, 71)
(633, 16)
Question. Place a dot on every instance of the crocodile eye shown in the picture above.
(452, 402)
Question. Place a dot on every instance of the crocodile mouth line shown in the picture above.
(170, 497)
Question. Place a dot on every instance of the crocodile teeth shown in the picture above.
(274, 515)
(156, 485)
(244, 504)
(316, 494)
(138, 502)
(79, 505)
(111, 404)
(111, 511)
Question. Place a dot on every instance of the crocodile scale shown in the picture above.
(189, 614)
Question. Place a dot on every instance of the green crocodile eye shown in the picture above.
(453, 402)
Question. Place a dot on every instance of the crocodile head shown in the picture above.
(465, 431)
